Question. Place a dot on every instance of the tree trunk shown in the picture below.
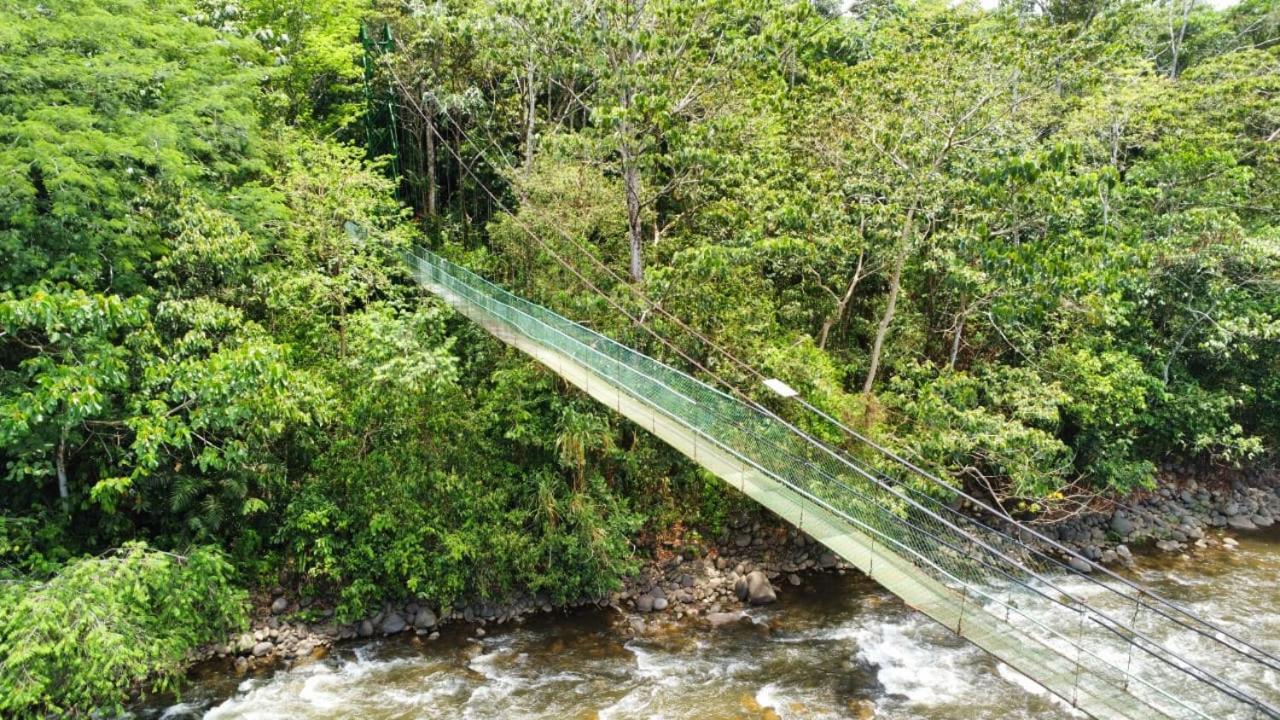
(631, 182)
(841, 305)
(61, 462)
(433, 184)
(895, 285)
(531, 110)
(955, 340)
(631, 187)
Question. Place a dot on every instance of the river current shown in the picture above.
(835, 647)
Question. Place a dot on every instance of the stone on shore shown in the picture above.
(425, 619)
(1079, 564)
(1240, 522)
(392, 624)
(263, 648)
(1121, 525)
(279, 606)
(244, 644)
(716, 619)
(759, 590)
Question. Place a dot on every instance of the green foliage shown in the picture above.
(1036, 248)
(100, 101)
(78, 642)
(446, 494)
(904, 199)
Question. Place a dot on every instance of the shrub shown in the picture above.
(78, 642)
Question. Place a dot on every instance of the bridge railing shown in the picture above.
(989, 570)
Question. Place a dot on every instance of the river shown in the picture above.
(835, 647)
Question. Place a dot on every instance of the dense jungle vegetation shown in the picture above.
(1036, 246)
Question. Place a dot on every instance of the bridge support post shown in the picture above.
(1075, 686)
(1133, 624)
(871, 557)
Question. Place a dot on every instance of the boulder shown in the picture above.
(716, 619)
(1240, 522)
(644, 603)
(244, 644)
(366, 628)
(263, 649)
(659, 604)
(392, 624)
(1121, 525)
(279, 606)
(425, 619)
(759, 591)
(740, 589)
(1079, 564)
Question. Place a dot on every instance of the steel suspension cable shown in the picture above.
(657, 307)
(926, 559)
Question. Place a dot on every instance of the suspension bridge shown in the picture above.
(1103, 645)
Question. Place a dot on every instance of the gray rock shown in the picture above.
(644, 603)
(1263, 520)
(392, 624)
(659, 604)
(794, 579)
(1169, 545)
(827, 561)
(279, 606)
(716, 619)
(263, 649)
(425, 618)
(244, 643)
(1121, 525)
(740, 589)
(366, 628)
(1240, 522)
(759, 591)
(1079, 564)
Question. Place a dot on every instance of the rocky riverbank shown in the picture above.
(751, 562)
(1176, 518)
(746, 566)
